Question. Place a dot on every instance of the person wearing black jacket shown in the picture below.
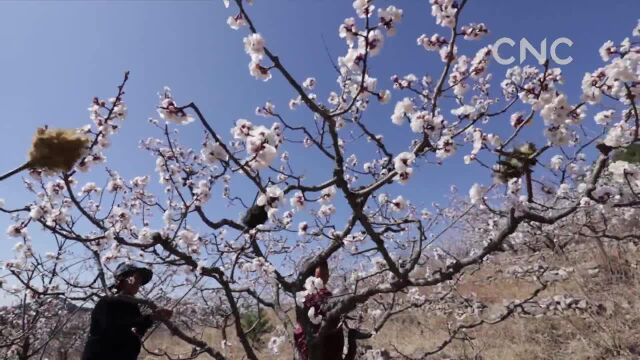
(117, 324)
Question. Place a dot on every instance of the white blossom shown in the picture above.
(422, 121)
(433, 43)
(604, 117)
(16, 231)
(591, 93)
(476, 193)
(474, 31)
(258, 71)
(363, 8)
(480, 62)
(315, 319)
(374, 43)
(202, 192)
(446, 147)
(236, 22)
(272, 198)
(326, 210)
(389, 17)
(444, 12)
(115, 183)
(189, 239)
(463, 111)
(403, 108)
(348, 31)
(213, 152)
(559, 135)
(327, 194)
(556, 112)
(352, 60)
(518, 119)
(261, 145)
(606, 50)
(309, 83)
(556, 162)
(145, 235)
(89, 188)
(169, 111)
(384, 96)
(297, 200)
(36, 212)
(302, 228)
(140, 182)
(242, 129)
(254, 46)
(260, 264)
(404, 160)
(313, 285)
(267, 110)
(404, 175)
(563, 190)
(398, 204)
(619, 135)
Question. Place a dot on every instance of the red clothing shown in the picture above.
(333, 343)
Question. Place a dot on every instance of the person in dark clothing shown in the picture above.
(117, 324)
(333, 343)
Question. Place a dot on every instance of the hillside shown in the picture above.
(591, 311)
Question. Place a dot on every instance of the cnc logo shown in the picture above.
(540, 53)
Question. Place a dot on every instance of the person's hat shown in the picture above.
(124, 270)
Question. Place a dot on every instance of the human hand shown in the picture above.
(162, 314)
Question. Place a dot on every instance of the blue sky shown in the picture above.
(57, 55)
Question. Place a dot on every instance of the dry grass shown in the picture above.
(161, 339)
(608, 331)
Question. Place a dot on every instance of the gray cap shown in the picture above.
(125, 270)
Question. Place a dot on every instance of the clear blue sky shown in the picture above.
(57, 55)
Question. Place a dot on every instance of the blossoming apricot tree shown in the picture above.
(386, 248)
